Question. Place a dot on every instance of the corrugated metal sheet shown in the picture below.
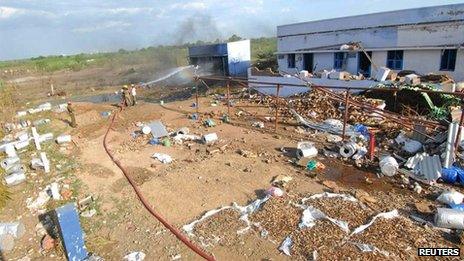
(413, 162)
(157, 129)
(449, 152)
(430, 167)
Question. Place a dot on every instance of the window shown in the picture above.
(338, 60)
(448, 60)
(395, 60)
(291, 60)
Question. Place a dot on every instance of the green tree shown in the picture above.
(234, 38)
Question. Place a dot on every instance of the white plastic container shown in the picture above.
(389, 166)
(348, 149)
(449, 218)
(15, 178)
(209, 138)
(146, 130)
(306, 149)
(8, 162)
(63, 139)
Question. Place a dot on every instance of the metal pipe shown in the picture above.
(345, 116)
(228, 98)
(277, 106)
(272, 84)
(197, 105)
(458, 135)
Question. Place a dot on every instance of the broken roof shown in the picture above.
(422, 15)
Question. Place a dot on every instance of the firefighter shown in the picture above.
(71, 115)
(133, 94)
(126, 96)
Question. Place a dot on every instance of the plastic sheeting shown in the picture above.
(388, 215)
(245, 211)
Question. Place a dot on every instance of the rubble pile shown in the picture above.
(400, 237)
(318, 106)
(339, 226)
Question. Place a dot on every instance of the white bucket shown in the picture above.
(146, 130)
(306, 153)
(348, 149)
(388, 166)
(8, 162)
(449, 218)
(208, 138)
(63, 139)
(15, 178)
(305, 149)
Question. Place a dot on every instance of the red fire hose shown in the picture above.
(145, 203)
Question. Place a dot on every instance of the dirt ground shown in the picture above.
(205, 177)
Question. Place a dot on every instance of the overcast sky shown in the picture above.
(43, 27)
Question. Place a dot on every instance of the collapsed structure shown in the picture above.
(399, 40)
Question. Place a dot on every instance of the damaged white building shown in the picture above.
(424, 40)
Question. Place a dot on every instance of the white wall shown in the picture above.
(239, 56)
(323, 61)
(428, 61)
(380, 59)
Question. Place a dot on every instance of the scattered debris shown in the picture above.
(163, 158)
(158, 130)
(258, 124)
(451, 197)
(209, 138)
(275, 192)
(449, 218)
(306, 149)
(88, 213)
(281, 180)
(286, 245)
(388, 166)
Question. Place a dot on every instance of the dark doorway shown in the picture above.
(308, 62)
(364, 64)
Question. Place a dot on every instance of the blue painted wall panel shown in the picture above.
(71, 232)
